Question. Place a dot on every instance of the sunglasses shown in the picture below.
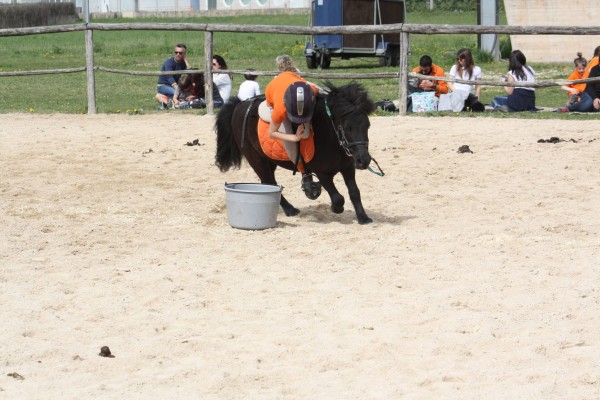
(180, 52)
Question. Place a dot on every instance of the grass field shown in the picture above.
(147, 50)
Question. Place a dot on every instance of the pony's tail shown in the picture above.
(228, 154)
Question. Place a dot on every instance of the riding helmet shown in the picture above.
(299, 100)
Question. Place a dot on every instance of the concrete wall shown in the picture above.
(553, 48)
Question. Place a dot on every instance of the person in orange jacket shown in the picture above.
(426, 67)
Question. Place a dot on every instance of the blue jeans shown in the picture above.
(499, 101)
(166, 90)
(585, 104)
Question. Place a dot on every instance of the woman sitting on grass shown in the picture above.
(466, 69)
(519, 98)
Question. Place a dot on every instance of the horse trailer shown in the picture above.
(319, 49)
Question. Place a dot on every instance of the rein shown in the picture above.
(245, 123)
(341, 135)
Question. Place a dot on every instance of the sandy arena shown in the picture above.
(479, 278)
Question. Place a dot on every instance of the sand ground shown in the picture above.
(479, 278)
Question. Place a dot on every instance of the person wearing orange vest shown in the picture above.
(293, 101)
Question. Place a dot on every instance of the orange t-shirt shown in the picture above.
(436, 70)
(275, 91)
(579, 86)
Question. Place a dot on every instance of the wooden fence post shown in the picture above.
(208, 81)
(403, 78)
(89, 63)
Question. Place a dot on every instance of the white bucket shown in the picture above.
(252, 205)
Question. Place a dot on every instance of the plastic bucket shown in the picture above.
(252, 205)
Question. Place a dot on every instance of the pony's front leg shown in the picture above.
(350, 180)
(337, 200)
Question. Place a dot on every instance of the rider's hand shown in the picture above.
(299, 133)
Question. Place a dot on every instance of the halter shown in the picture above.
(341, 135)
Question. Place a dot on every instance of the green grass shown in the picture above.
(147, 50)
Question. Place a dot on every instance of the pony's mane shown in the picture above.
(348, 99)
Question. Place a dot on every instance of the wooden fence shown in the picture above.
(403, 30)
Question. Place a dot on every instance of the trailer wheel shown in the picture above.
(312, 62)
(395, 56)
(391, 57)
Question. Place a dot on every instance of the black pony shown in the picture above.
(340, 123)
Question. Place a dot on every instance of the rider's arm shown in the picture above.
(274, 133)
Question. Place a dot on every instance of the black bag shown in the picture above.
(197, 103)
(386, 105)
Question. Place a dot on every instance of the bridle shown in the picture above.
(341, 134)
(346, 145)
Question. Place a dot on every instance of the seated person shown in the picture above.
(183, 92)
(166, 84)
(465, 69)
(199, 95)
(574, 90)
(579, 99)
(519, 98)
(426, 67)
(249, 88)
(220, 80)
(590, 98)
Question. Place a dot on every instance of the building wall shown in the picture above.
(553, 48)
(128, 6)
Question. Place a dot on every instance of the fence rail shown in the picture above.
(403, 30)
(421, 29)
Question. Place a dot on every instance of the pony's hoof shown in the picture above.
(365, 220)
(311, 189)
(337, 209)
(290, 212)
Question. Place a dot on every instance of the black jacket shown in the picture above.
(593, 88)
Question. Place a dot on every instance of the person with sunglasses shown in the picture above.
(462, 93)
(167, 84)
(220, 80)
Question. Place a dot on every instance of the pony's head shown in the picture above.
(349, 108)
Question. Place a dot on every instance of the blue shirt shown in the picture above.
(171, 65)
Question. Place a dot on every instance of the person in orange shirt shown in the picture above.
(426, 67)
(586, 101)
(293, 100)
(575, 89)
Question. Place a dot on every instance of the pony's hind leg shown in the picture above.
(288, 209)
(266, 173)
